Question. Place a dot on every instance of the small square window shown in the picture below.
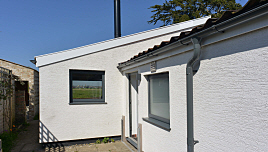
(86, 86)
(159, 97)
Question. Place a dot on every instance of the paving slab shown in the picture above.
(117, 146)
(28, 141)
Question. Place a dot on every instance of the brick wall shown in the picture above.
(20, 109)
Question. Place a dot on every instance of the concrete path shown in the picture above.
(118, 146)
(28, 142)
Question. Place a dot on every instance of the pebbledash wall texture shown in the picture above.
(30, 75)
(230, 95)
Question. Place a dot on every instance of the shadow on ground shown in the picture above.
(28, 141)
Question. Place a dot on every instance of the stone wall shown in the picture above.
(30, 75)
(36, 92)
(1, 116)
(7, 106)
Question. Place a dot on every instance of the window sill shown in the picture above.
(158, 123)
(85, 103)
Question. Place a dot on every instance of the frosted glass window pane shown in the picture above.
(159, 95)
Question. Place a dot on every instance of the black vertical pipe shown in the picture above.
(117, 19)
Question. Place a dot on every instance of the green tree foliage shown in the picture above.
(175, 11)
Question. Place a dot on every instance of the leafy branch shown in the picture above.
(175, 11)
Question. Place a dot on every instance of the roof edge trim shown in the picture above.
(131, 35)
(46, 59)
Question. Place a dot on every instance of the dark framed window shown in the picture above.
(87, 86)
(159, 111)
(159, 97)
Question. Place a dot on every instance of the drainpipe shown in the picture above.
(189, 85)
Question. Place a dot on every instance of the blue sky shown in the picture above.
(34, 27)
(88, 83)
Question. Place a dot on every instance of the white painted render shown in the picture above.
(230, 93)
(46, 59)
(60, 121)
(133, 93)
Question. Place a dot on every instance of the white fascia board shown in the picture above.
(46, 59)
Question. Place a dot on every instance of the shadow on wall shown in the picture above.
(46, 137)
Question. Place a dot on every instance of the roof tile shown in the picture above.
(209, 23)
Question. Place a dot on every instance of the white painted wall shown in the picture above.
(230, 96)
(70, 122)
(133, 88)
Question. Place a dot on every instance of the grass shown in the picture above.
(87, 93)
(9, 137)
(36, 117)
(8, 140)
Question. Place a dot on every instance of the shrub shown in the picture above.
(36, 117)
(105, 140)
(98, 141)
(8, 139)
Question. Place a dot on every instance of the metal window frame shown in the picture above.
(158, 123)
(167, 121)
(85, 101)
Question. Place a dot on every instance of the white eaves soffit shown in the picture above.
(51, 58)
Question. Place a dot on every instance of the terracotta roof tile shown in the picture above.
(209, 23)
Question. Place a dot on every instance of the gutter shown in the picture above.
(202, 34)
(33, 61)
(190, 71)
(189, 85)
